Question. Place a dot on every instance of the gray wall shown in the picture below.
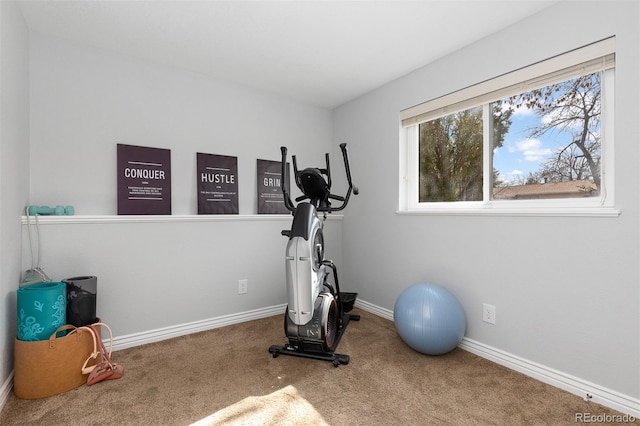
(153, 275)
(84, 101)
(566, 289)
(156, 274)
(14, 168)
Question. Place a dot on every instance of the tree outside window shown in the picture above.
(545, 143)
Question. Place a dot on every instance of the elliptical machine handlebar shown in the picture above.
(323, 205)
(283, 178)
(354, 189)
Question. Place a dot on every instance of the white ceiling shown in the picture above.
(319, 52)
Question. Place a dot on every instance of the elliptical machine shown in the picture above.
(317, 312)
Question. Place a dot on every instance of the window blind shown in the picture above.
(589, 59)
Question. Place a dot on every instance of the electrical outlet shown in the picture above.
(488, 313)
(243, 286)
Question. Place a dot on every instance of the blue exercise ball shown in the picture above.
(429, 319)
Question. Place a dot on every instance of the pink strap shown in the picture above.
(93, 355)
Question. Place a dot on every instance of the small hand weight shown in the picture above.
(51, 211)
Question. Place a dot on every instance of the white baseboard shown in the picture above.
(575, 385)
(5, 390)
(582, 388)
(376, 310)
(159, 334)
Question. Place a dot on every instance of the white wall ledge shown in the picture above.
(44, 220)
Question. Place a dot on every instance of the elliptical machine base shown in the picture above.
(330, 355)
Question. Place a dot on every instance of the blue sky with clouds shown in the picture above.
(521, 154)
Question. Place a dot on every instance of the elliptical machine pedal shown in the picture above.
(317, 312)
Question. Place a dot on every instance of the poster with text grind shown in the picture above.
(270, 197)
(144, 180)
(217, 183)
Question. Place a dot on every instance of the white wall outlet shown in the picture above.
(488, 313)
(243, 286)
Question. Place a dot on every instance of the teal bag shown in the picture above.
(42, 308)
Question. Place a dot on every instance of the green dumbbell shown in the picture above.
(51, 211)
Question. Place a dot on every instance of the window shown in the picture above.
(538, 140)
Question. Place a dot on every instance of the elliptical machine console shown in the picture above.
(317, 311)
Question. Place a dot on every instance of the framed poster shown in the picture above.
(270, 197)
(144, 180)
(217, 183)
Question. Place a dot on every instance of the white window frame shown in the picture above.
(598, 56)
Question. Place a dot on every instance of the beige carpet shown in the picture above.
(227, 376)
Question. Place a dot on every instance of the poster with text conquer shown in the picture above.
(144, 180)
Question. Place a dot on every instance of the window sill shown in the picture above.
(515, 212)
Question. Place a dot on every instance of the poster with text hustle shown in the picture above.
(217, 184)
